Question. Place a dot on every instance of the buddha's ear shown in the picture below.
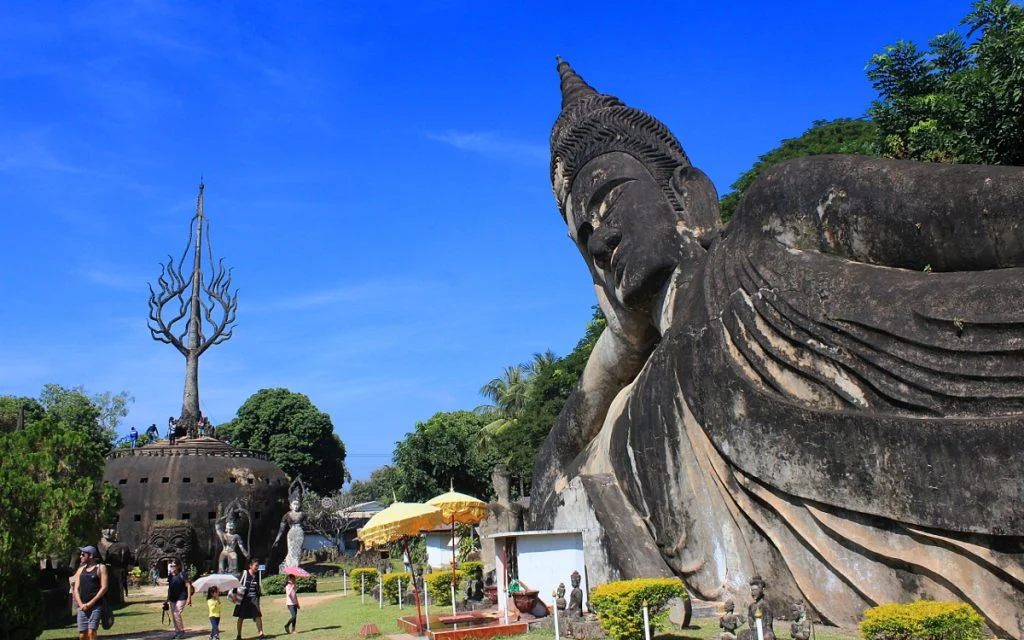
(699, 200)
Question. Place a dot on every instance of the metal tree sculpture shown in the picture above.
(193, 338)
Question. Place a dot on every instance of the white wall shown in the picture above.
(439, 550)
(545, 560)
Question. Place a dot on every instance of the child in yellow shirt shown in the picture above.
(214, 606)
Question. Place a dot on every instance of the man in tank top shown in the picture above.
(90, 585)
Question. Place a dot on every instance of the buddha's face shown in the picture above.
(755, 591)
(625, 227)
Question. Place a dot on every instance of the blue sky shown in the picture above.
(376, 175)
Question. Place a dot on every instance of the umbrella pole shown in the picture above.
(416, 592)
(453, 564)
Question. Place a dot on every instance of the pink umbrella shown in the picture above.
(298, 572)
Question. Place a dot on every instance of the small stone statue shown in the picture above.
(560, 597)
(475, 591)
(730, 621)
(758, 611)
(575, 608)
(801, 627)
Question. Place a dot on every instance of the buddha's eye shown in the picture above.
(603, 200)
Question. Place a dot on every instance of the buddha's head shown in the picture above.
(633, 203)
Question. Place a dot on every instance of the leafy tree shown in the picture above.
(99, 414)
(51, 495)
(441, 451)
(961, 100)
(382, 486)
(824, 137)
(299, 437)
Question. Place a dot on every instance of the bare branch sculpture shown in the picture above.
(177, 299)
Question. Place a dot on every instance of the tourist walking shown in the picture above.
(179, 594)
(291, 598)
(214, 606)
(248, 606)
(88, 588)
(133, 435)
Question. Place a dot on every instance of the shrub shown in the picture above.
(470, 567)
(274, 585)
(390, 585)
(439, 586)
(355, 578)
(923, 620)
(619, 605)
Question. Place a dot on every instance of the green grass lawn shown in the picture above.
(328, 614)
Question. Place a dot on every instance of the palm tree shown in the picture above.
(510, 393)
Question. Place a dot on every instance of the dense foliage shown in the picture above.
(52, 498)
(960, 100)
(923, 620)
(440, 452)
(299, 437)
(619, 605)
(382, 486)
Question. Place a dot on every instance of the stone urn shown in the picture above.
(526, 600)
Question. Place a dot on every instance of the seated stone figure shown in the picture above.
(827, 392)
(729, 622)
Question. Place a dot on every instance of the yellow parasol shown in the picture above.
(398, 522)
(458, 507)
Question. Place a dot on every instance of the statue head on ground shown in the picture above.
(634, 204)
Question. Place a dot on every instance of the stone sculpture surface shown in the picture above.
(827, 392)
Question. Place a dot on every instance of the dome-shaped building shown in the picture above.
(173, 496)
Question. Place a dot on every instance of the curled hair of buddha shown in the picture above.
(592, 124)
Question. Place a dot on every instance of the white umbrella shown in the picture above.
(223, 581)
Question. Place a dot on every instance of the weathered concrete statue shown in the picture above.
(560, 597)
(575, 608)
(828, 392)
(292, 523)
(730, 621)
(227, 561)
(759, 614)
(800, 629)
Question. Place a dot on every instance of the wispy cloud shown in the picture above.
(492, 145)
(349, 293)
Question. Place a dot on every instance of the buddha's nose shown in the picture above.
(602, 244)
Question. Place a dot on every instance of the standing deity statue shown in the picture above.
(759, 613)
(292, 523)
(231, 541)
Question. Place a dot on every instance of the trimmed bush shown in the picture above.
(355, 578)
(274, 585)
(439, 585)
(470, 566)
(390, 585)
(923, 620)
(619, 605)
